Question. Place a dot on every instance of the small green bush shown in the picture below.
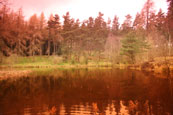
(73, 61)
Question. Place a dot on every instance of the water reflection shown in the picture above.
(97, 92)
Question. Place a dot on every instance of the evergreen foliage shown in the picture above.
(131, 46)
(91, 37)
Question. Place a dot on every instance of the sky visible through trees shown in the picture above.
(84, 9)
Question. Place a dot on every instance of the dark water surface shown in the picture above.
(85, 92)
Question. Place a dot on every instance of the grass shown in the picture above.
(59, 62)
(49, 61)
(44, 65)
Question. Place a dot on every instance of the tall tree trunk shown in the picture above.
(18, 47)
(49, 42)
(40, 50)
(169, 45)
(48, 49)
(54, 45)
(30, 48)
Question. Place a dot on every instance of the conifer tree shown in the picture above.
(131, 46)
(67, 33)
(115, 25)
(170, 19)
(127, 24)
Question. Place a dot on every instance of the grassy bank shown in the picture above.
(49, 62)
(48, 65)
(157, 65)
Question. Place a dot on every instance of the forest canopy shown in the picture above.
(93, 37)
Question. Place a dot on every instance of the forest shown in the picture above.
(59, 65)
(147, 36)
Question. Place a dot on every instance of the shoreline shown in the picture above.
(157, 66)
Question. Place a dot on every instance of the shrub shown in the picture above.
(73, 61)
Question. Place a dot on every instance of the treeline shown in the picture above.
(37, 36)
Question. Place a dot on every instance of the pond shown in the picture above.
(85, 92)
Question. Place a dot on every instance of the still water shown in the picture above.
(85, 92)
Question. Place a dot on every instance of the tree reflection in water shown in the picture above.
(84, 91)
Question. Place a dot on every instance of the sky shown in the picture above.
(83, 9)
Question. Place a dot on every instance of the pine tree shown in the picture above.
(67, 33)
(101, 33)
(115, 25)
(5, 24)
(139, 26)
(35, 41)
(131, 46)
(127, 24)
(88, 31)
(148, 11)
(170, 19)
(170, 14)
(54, 32)
(42, 21)
(139, 22)
(20, 34)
